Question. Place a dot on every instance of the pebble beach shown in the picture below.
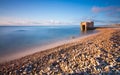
(98, 54)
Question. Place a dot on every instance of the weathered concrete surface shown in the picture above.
(86, 26)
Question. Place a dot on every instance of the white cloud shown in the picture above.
(19, 21)
(108, 21)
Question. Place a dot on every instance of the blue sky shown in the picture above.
(59, 12)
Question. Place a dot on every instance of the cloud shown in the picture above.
(107, 21)
(100, 21)
(114, 14)
(18, 21)
(110, 11)
(84, 18)
(115, 22)
(96, 9)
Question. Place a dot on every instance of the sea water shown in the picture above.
(15, 39)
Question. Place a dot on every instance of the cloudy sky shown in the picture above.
(58, 12)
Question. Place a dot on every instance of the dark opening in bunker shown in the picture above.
(83, 27)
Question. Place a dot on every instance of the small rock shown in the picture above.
(106, 68)
(118, 59)
(24, 72)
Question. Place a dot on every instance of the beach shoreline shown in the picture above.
(93, 54)
(36, 49)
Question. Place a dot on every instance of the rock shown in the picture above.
(118, 59)
(24, 72)
(54, 64)
(48, 68)
(106, 68)
(97, 63)
(10, 73)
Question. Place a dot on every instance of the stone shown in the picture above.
(48, 68)
(118, 59)
(24, 72)
(106, 68)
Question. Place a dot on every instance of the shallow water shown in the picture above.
(14, 39)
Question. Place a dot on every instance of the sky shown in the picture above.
(58, 12)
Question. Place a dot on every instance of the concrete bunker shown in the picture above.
(87, 26)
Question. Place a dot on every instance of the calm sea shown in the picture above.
(14, 38)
